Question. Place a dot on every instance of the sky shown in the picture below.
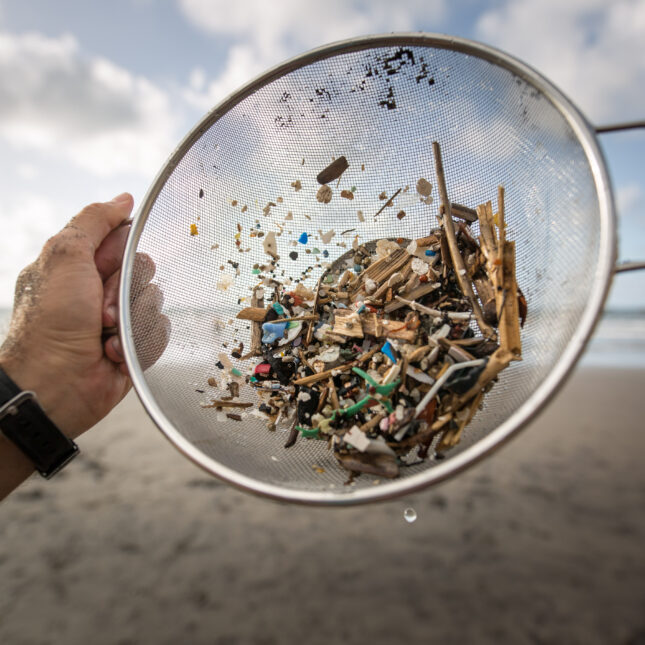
(94, 95)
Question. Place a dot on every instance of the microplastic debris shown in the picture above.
(193, 229)
(273, 331)
(324, 194)
(388, 350)
(424, 187)
(293, 255)
(326, 237)
(304, 238)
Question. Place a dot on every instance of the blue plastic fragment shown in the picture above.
(273, 331)
(303, 239)
(388, 350)
(357, 268)
(325, 253)
(278, 308)
(361, 309)
(430, 252)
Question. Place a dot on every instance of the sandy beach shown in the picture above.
(541, 543)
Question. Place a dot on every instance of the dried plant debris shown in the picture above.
(333, 171)
(389, 357)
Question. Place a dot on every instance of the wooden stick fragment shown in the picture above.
(498, 360)
(501, 216)
(219, 403)
(458, 262)
(333, 394)
(389, 202)
(310, 328)
(509, 315)
(321, 376)
(257, 302)
(463, 212)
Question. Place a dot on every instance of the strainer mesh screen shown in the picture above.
(381, 108)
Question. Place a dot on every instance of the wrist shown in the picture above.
(47, 392)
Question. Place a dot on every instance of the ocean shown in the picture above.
(619, 339)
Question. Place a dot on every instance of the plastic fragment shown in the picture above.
(324, 194)
(273, 331)
(388, 350)
(193, 229)
(278, 308)
(304, 238)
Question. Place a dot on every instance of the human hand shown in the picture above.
(62, 303)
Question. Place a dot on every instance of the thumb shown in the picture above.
(97, 220)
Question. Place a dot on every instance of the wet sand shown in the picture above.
(541, 543)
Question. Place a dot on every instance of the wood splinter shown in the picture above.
(457, 260)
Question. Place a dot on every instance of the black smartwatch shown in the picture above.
(25, 423)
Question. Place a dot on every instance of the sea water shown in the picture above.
(618, 340)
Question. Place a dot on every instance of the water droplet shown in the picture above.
(410, 515)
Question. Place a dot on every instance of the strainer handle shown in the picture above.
(619, 127)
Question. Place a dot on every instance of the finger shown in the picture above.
(97, 220)
(155, 342)
(113, 349)
(144, 270)
(146, 308)
(111, 300)
(142, 273)
(109, 255)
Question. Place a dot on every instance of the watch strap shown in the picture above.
(25, 423)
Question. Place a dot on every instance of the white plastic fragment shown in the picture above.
(419, 266)
(357, 438)
(330, 355)
(419, 375)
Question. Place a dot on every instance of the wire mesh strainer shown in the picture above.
(380, 101)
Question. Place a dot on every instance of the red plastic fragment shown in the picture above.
(262, 369)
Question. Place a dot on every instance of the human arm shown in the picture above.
(54, 346)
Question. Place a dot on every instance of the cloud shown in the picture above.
(28, 220)
(591, 49)
(87, 110)
(265, 33)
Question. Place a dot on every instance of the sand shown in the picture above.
(544, 542)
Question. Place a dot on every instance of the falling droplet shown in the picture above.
(410, 515)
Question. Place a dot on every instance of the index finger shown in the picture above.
(97, 220)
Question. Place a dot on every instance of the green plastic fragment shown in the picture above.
(329, 279)
(256, 271)
(293, 323)
(307, 432)
(353, 189)
(253, 379)
(315, 250)
(385, 390)
(235, 371)
(278, 308)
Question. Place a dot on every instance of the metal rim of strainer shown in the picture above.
(529, 409)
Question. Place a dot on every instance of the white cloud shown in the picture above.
(265, 33)
(28, 220)
(591, 49)
(87, 110)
